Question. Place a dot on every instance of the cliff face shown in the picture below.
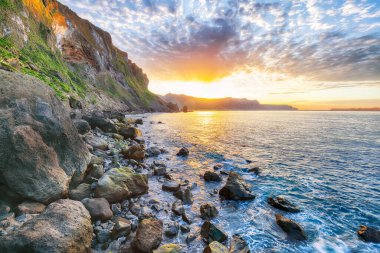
(46, 39)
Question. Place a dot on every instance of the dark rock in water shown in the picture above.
(130, 132)
(184, 195)
(292, 228)
(139, 121)
(41, 151)
(215, 247)
(248, 161)
(75, 103)
(183, 152)
(187, 217)
(218, 166)
(238, 245)
(172, 229)
(185, 228)
(177, 207)
(222, 172)
(153, 151)
(255, 170)
(169, 248)
(135, 152)
(99, 208)
(64, 226)
(211, 176)
(208, 211)
(81, 192)
(283, 204)
(28, 207)
(148, 235)
(170, 186)
(82, 126)
(119, 184)
(236, 188)
(122, 227)
(369, 234)
(159, 169)
(210, 233)
(97, 121)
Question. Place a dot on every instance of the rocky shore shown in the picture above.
(80, 181)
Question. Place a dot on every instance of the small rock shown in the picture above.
(153, 151)
(118, 137)
(210, 232)
(81, 192)
(103, 235)
(135, 152)
(292, 228)
(236, 188)
(28, 207)
(190, 237)
(208, 211)
(99, 208)
(139, 121)
(283, 204)
(116, 208)
(211, 176)
(238, 245)
(177, 207)
(130, 132)
(96, 171)
(187, 217)
(169, 248)
(183, 152)
(82, 126)
(184, 195)
(172, 229)
(369, 234)
(170, 186)
(215, 247)
(218, 166)
(122, 227)
(255, 170)
(148, 235)
(185, 228)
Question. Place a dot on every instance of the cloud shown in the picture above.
(320, 40)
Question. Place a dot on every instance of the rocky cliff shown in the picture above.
(45, 39)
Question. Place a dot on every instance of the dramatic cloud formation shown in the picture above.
(326, 42)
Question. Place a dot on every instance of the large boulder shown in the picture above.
(119, 184)
(210, 233)
(135, 152)
(100, 122)
(64, 226)
(148, 235)
(292, 228)
(130, 132)
(41, 151)
(283, 204)
(236, 188)
(369, 234)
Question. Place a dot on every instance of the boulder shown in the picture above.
(169, 248)
(119, 184)
(81, 192)
(100, 122)
(211, 176)
(171, 186)
(28, 207)
(283, 204)
(215, 247)
(40, 151)
(210, 233)
(130, 132)
(135, 152)
(96, 142)
(64, 226)
(153, 151)
(292, 228)
(122, 227)
(208, 211)
(236, 188)
(183, 152)
(148, 235)
(99, 209)
(369, 234)
(82, 126)
(238, 245)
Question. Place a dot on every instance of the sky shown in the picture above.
(312, 54)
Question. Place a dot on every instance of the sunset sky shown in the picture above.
(312, 54)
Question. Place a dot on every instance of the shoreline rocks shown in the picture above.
(210, 233)
(99, 208)
(148, 235)
(236, 188)
(290, 227)
(369, 234)
(283, 204)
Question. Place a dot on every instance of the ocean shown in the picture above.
(328, 163)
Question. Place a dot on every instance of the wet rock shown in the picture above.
(183, 152)
(82, 126)
(184, 195)
(238, 245)
(81, 192)
(122, 227)
(153, 151)
(292, 228)
(119, 184)
(99, 208)
(185, 228)
(139, 121)
(96, 142)
(171, 186)
(146, 213)
(191, 237)
(369, 234)
(116, 208)
(148, 235)
(187, 217)
(159, 170)
(97, 121)
(172, 228)
(41, 151)
(255, 170)
(211, 176)
(177, 207)
(64, 226)
(215, 247)
(283, 204)
(130, 132)
(169, 248)
(210, 233)
(208, 211)
(236, 188)
(135, 152)
(28, 207)
(218, 166)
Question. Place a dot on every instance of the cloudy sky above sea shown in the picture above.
(313, 54)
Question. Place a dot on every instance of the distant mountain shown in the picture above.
(194, 103)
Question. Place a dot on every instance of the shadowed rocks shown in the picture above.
(290, 227)
(236, 188)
